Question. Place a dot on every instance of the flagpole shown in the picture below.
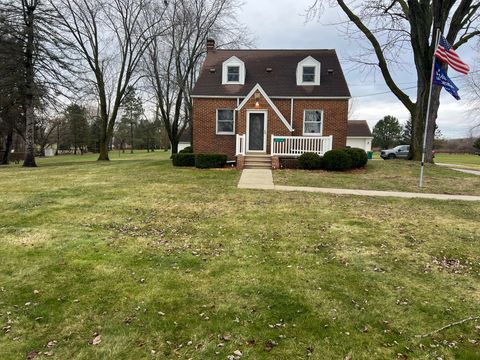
(422, 169)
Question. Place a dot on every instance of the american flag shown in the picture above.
(447, 54)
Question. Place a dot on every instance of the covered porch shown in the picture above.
(285, 146)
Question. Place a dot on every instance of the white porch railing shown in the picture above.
(297, 145)
(240, 145)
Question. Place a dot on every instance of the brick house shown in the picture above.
(257, 106)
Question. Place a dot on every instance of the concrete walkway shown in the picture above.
(467, 171)
(459, 166)
(263, 180)
(408, 195)
(256, 179)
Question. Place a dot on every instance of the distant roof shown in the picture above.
(186, 135)
(358, 128)
(280, 81)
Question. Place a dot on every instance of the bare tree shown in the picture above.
(45, 126)
(473, 96)
(11, 87)
(111, 37)
(45, 62)
(396, 27)
(173, 60)
(29, 8)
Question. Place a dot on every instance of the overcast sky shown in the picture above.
(281, 24)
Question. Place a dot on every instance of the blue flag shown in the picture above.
(441, 78)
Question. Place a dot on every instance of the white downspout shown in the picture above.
(291, 113)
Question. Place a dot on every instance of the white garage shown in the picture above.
(359, 135)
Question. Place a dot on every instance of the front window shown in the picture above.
(309, 74)
(233, 74)
(312, 122)
(225, 122)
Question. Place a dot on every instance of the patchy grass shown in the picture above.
(468, 160)
(171, 260)
(394, 175)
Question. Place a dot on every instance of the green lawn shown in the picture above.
(395, 175)
(162, 263)
(471, 161)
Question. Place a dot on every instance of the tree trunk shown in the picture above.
(174, 143)
(8, 147)
(418, 123)
(29, 135)
(131, 138)
(29, 80)
(103, 156)
(104, 142)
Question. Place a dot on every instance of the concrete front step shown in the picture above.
(258, 162)
(257, 166)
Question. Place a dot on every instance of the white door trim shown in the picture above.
(265, 112)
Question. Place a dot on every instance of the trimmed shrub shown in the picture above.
(310, 161)
(187, 150)
(289, 163)
(206, 161)
(337, 160)
(476, 144)
(182, 159)
(359, 157)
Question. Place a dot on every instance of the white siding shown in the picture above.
(364, 143)
(183, 145)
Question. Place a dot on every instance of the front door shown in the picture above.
(257, 132)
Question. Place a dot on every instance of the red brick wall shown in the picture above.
(205, 140)
(335, 118)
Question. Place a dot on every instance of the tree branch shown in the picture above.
(382, 63)
(471, 318)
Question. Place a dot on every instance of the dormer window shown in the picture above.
(308, 72)
(233, 71)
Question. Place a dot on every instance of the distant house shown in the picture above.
(268, 104)
(185, 139)
(359, 135)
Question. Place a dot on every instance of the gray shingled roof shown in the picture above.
(358, 128)
(281, 81)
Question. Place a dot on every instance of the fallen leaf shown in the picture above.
(32, 355)
(270, 345)
(226, 337)
(96, 340)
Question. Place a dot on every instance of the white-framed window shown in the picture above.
(308, 72)
(225, 122)
(313, 122)
(308, 75)
(233, 71)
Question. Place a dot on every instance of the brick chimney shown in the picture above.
(210, 45)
